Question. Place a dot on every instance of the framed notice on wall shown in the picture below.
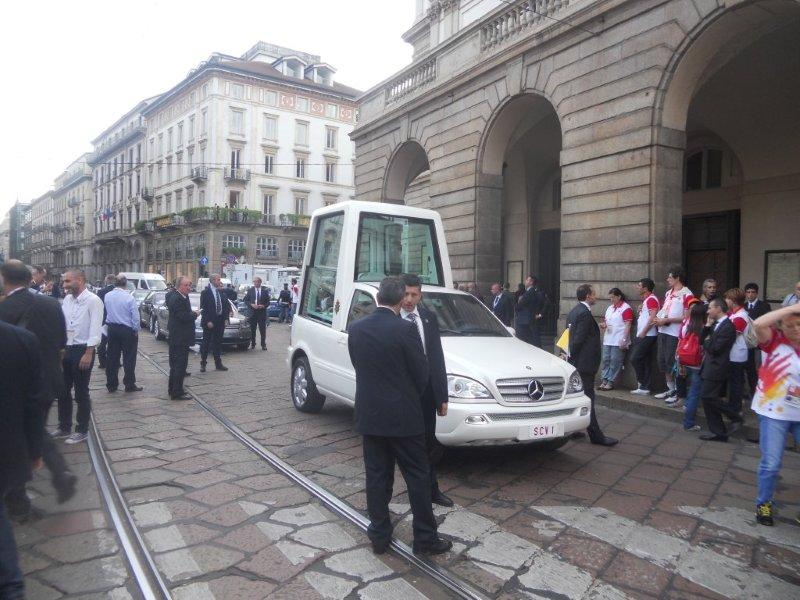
(514, 273)
(781, 273)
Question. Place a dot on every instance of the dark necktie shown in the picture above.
(257, 294)
(217, 302)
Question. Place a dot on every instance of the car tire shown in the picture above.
(552, 445)
(242, 346)
(157, 330)
(305, 396)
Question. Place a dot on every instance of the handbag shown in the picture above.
(690, 352)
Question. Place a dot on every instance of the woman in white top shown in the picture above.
(617, 338)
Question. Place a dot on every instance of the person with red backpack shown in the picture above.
(689, 356)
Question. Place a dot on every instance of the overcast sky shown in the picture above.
(71, 69)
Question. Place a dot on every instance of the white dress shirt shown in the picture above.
(417, 320)
(84, 317)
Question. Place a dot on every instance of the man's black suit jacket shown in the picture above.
(391, 375)
(529, 305)
(435, 393)
(263, 300)
(102, 295)
(181, 320)
(717, 344)
(584, 340)
(42, 316)
(21, 399)
(759, 309)
(208, 306)
(504, 309)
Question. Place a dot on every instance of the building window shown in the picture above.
(270, 127)
(331, 111)
(235, 157)
(296, 249)
(301, 133)
(201, 198)
(204, 121)
(300, 205)
(180, 134)
(269, 164)
(703, 170)
(160, 144)
(237, 121)
(269, 204)
(302, 104)
(169, 139)
(330, 172)
(233, 241)
(178, 201)
(300, 168)
(189, 197)
(331, 135)
(191, 128)
(267, 247)
(237, 91)
(270, 98)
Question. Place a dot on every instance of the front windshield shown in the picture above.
(463, 315)
(158, 297)
(140, 294)
(130, 286)
(156, 284)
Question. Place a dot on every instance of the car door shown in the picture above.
(362, 303)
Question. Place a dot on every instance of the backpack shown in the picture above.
(690, 352)
(750, 337)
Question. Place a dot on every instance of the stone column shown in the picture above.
(666, 193)
(488, 230)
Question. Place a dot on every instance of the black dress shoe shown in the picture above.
(65, 486)
(252, 347)
(221, 367)
(442, 500)
(605, 441)
(710, 437)
(186, 374)
(202, 367)
(440, 546)
(111, 390)
(380, 547)
(263, 347)
(134, 388)
(182, 396)
(734, 427)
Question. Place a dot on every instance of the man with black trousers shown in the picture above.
(215, 310)
(102, 349)
(257, 298)
(434, 398)
(718, 338)
(21, 428)
(585, 354)
(42, 316)
(755, 308)
(123, 324)
(502, 305)
(391, 375)
(529, 313)
(181, 336)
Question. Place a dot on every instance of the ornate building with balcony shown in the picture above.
(597, 141)
(238, 153)
(72, 202)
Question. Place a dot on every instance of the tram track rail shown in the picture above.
(452, 583)
(142, 567)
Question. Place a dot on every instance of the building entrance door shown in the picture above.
(711, 250)
(549, 259)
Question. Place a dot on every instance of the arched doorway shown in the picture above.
(408, 163)
(734, 91)
(520, 160)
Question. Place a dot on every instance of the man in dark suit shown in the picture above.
(434, 398)
(181, 336)
(102, 349)
(257, 298)
(391, 375)
(718, 338)
(43, 317)
(585, 354)
(21, 429)
(755, 308)
(502, 305)
(215, 310)
(529, 313)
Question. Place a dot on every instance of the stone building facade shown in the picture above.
(41, 230)
(70, 219)
(597, 140)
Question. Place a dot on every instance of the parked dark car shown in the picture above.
(152, 299)
(273, 310)
(237, 331)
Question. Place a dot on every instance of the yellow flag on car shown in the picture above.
(563, 341)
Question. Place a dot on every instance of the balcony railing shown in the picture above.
(147, 193)
(518, 18)
(237, 174)
(72, 202)
(80, 221)
(169, 221)
(411, 81)
(291, 220)
(199, 173)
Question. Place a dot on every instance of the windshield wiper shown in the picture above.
(450, 331)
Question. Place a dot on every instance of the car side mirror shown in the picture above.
(511, 330)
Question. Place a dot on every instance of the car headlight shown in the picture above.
(464, 389)
(575, 385)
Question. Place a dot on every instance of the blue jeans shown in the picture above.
(12, 586)
(692, 397)
(772, 440)
(613, 357)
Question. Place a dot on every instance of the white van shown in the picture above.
(202, 283)
(146, 281)
(502, 390)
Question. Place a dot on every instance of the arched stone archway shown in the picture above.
(407, 162)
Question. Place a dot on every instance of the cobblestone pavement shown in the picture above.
(662, 515)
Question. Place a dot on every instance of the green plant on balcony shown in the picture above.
(139, 226)
(199, 251)
(234, 251)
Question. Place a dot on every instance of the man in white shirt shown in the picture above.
(83, 312)
(295, 289)
(793, 298)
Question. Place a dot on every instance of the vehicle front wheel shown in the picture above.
(305, 396)
(157, 330)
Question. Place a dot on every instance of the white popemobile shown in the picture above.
(502, 390)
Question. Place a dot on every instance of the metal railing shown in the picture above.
(237, 174)
(199, 173)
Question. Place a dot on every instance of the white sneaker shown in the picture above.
(76, 438)
(666, 394)
(641, 392)
(60, 433)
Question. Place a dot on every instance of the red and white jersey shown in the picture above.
(675, 303)
(740, 321)
(617, 315)
(778, 391)
(649, 308)
(295, 293)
